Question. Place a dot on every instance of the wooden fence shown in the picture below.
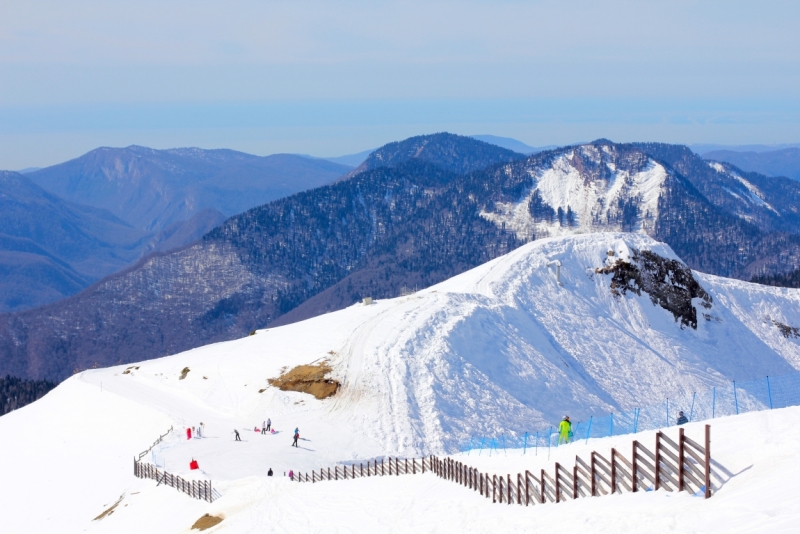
(684, 465)
(198, 489)
(156, 442)
(396, 466)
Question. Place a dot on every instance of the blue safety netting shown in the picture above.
(719, 401)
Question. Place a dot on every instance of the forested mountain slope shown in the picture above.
(51, 248)
(410, 224)
(455, 153)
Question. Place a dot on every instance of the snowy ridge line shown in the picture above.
(736, 398)
(156, 442)
(681, 465)
(197, 489)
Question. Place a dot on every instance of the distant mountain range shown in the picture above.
(64, 227)
(784, 162)
(51, 248)
(416, 212)
(153, 189)
(354, 160)
(512, 144)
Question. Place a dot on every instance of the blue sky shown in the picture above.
(329, 78)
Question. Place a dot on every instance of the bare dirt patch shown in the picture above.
(184, 373)
(110, 509)
(207, 521)
(311, 379)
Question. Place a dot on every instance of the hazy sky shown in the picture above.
(329, 78)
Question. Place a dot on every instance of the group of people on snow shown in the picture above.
(565, 427)
(266, 428)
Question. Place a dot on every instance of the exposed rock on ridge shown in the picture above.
(668, 282)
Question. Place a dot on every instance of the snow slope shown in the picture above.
(594, 182)
(503, 346)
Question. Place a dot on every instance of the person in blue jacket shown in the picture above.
(682, 420)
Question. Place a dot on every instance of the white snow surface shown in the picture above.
(595, 202)
(500, 347)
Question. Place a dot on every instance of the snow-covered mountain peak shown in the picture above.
(588, 188)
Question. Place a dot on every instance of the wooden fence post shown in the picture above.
(594, 475)
(558, 483)
(613, 471)
(500, 488)
(508, 488)
(634, 474)
(575, 482)
(527, 488)
(681, 460)
(519, 483)
(708, 461)
(658, 461)
(544, 499)
(494, 488)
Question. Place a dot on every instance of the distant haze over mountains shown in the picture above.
(152, 189)
(703, 149)
(66, 226)
(512, 144)
(354, 160)
(784, 162)
(416, 212)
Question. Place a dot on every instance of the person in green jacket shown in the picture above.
(564, 430)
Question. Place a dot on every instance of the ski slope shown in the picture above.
(503, 346)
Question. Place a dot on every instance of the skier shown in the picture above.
(200, 431)
(296, 437)
(237, 435)
(682, 420)
(269, 423)
(269, 473)
(564, 430)
(264, 427)
(291, 474)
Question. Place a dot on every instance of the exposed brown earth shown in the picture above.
(309, 379)
(207, 521)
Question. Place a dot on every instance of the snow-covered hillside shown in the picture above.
(504, 346)
(586, 189)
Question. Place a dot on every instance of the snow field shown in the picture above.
(498, 349)
(754, 479)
